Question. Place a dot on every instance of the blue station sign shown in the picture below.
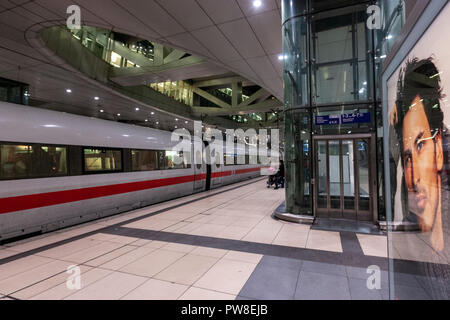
(350, 118)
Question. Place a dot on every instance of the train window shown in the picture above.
(32, 161)
(102, 160)
(15, 161)
(172, 159)
(227, 158)
(49, 161)
(144, 160)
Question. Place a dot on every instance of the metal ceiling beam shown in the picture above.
(259, 107)
(218, 82)
(177, 64)
(211, 98)
(257, 95)
(236, 97)
(174, 56)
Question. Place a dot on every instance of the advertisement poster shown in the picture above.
(419, 120)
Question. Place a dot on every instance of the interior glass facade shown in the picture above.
(332, 60)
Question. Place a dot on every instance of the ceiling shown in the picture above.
(231, 35)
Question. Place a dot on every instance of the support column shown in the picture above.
(237, 93)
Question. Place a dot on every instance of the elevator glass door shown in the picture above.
(343, 185)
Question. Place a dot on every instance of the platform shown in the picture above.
(221, 244)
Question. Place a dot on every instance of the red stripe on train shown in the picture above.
(34, 201)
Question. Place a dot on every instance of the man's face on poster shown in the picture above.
(422, 156)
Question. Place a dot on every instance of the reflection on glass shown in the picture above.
(144, 160)
(102, 160)
(32, 161)
(348, 160)
(363, 174)
(341, 45)
(335, 174)
(322, 174)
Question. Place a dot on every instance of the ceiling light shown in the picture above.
(137, 109)
(257, 3)
(146, 120)
(96, 98)
(186, 122)
(157, 122)
(101, 111)
(152, 113)
(69, 90)
(118, 114)
(176, 119)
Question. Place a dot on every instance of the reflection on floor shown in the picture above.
(222, 244)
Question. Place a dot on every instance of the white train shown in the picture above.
(58, 169)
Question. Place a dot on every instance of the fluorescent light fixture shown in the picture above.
(383, 56)
(96, 98)
(152, 113)
(69, 90)
(137, 109)
(118, 114)
(101, 111)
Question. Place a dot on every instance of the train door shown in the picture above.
(208, 168)
(217, 172)
(199, 172)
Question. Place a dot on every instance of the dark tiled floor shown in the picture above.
(346, 226)
(282, 278)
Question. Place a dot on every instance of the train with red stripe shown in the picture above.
(59, 169)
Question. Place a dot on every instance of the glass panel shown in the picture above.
(102, 160)
(349, 174)
(25, 161)
(48, 161)
(295, 56)
(334, 83)
(322, 175)
(174, 160)
(298, 161)
(292, 8)
(341, 47)
(15, 161)
(335, 174)
(363, 174)
(144, 160)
